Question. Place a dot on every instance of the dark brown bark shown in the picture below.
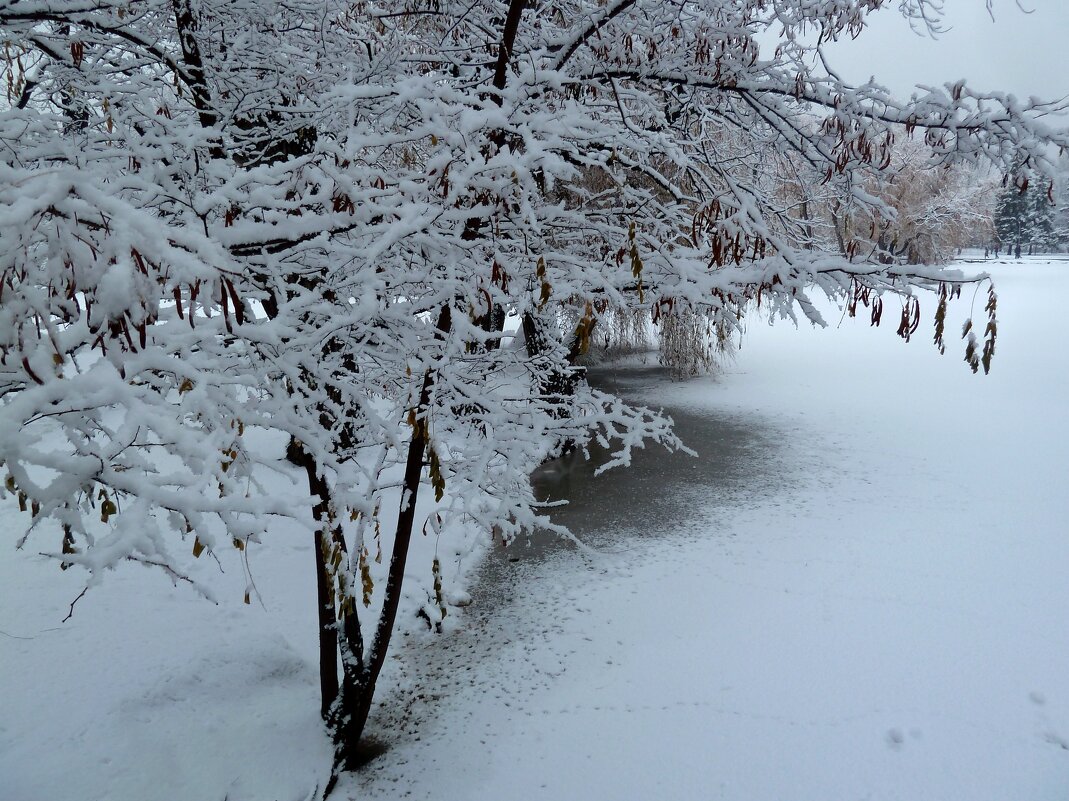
(328, 633)
(508, 41)
(359, 677)
(359, 692)
(562, 382)
(186, 24)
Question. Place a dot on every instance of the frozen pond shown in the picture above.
(857, 592)
(660, 489)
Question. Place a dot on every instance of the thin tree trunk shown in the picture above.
(328, 633)
(358, 692)
(359, 677)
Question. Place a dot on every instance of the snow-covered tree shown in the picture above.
(934, 211)
(1025, 216)
(240, 239)
(1061, 210)
(1041, 238)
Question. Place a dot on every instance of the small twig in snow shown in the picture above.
(76, 600)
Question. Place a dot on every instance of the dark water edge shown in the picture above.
(516, 593)
(660, 490)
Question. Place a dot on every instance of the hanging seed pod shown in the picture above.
(940, 319)
(991, 332)
(436, 570)
(366, 583)
(437, 480)
(546, 290)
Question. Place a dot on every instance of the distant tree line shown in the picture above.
(931, 215)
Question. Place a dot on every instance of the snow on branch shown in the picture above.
(229, 234)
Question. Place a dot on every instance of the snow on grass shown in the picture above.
(863, 596)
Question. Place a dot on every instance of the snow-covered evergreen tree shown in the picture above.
(1025, 217)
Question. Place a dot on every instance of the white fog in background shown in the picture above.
(1023, 53)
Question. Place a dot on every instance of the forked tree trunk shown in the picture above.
(349, 711)
(359, 678)
(346, 706)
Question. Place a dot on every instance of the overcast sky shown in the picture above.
(1027, 54)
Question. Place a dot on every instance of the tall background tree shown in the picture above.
(932, 213)
(1025, 218)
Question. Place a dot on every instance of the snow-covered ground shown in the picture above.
(860, 593)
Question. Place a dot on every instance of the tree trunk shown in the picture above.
(328, 633)
(562, 382)
(358, 691)
(350, 713)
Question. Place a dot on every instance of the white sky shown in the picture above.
(1026, 54)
